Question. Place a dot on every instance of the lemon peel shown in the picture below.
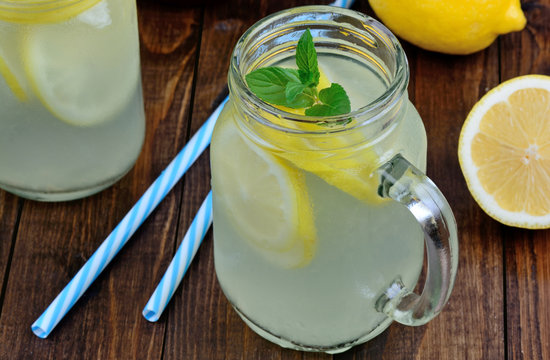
(450, 26)
(11, 80)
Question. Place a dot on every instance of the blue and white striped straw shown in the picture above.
(342, 3)
(181, 261)
(175, 272)
(126, 228)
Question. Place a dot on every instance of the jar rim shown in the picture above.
(374, 110)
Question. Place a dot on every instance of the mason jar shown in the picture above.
(321, 223)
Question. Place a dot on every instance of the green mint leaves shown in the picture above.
(306, 60)
(275, 86)
(297, 89)
(334, 101)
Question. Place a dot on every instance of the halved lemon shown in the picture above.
(504, 152)
(264, 196)
(84, 72)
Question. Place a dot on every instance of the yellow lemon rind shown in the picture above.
(12, 81)
(469, 169)
(452, 27)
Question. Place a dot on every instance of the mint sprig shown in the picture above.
(297, 89)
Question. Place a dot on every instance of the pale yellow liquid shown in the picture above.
(47, 158)
(362, 247)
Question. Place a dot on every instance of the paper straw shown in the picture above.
(342, 3)
(126, 228)
(180, 263)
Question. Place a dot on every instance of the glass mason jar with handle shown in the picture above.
(321, 223)
(72, 118)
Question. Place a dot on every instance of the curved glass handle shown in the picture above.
(404, 183)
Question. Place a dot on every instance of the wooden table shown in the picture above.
(500, 307)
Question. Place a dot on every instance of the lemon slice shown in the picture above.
(264, 197)
(504, 152)
(42, 11)
(332, 157)
(86, 72)
(11, 80)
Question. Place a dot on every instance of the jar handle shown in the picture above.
(404, 183)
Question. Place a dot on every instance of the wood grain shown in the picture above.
(446, 89)
(528, 252)
(9, 210)
(499, 309)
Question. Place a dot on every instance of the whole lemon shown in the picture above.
(450, 26)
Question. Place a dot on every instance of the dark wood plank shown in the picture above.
(443, 89)
(8, 222)
(54, 240)
(201, 323)
(528, 252)
(446, 89)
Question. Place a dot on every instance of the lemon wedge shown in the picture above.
(504, 152)
(264, 196)
(74, 74)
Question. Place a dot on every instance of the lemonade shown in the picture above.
(287, 298)
(72, 118)
(309, 246)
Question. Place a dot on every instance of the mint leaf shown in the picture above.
(306, 60)
(319, 110)
(301, 101)
(269, 83)
(293, 89)
(296, 97)
(336, 99)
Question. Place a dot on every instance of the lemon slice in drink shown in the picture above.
(332, 157)
(42, 11)
(265, 198)
(504, 152)
(84, 71)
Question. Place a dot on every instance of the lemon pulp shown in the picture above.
(504, 152)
